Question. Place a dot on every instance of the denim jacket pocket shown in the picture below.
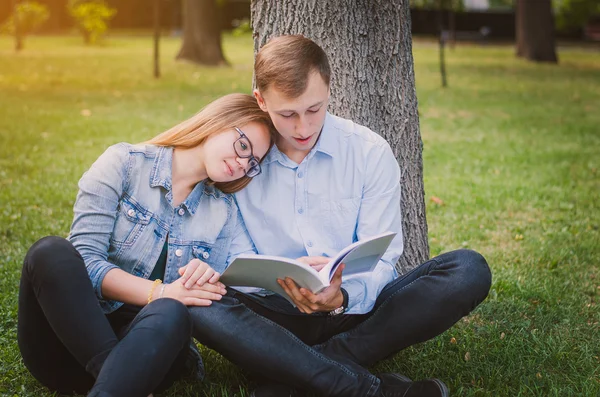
(214, 255)
(131, 220)
(202, 252)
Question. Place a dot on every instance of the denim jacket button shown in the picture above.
(181, 211)
(131, 213)
(178, 252)
(205, 255)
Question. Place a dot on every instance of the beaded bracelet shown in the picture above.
(151, 292)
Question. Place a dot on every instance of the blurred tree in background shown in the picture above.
(573, 14)
(535, 31)
(91, 18)
(202, 32)
(26, 18)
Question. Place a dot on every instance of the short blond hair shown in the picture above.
(286, 63)
(225, 113)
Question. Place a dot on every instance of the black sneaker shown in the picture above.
(275, 390)
(396, 385)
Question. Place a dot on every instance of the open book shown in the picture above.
(264, 270)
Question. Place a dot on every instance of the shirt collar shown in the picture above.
(328, 141)
(326, 144)
(161, 170)
(201, 188)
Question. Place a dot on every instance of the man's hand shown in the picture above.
(198, 273)
(316, 262)
(325, 301)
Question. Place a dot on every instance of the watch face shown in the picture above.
(337, 311)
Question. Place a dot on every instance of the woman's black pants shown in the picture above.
(70, 345)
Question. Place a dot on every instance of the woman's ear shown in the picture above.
(260, 100)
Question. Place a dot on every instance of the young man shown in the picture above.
(327, 183)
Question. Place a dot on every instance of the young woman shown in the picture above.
(154, 225)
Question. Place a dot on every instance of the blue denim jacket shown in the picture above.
(124, 215)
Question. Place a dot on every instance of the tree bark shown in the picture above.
(535, 31)
(373, 83)
(201, 33)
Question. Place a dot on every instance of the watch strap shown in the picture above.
(342, 309)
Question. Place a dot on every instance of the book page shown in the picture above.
(263, 271)
(363, 255)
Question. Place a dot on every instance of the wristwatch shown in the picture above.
(344, 307)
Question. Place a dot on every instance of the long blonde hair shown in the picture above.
(225, 113)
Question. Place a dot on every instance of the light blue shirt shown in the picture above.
(346, 189)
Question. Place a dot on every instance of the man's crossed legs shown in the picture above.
(329, 354)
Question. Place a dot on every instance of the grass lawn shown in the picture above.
(511, 158)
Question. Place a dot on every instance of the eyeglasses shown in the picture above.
(243, 149)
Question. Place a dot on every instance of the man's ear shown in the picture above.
(260, 100)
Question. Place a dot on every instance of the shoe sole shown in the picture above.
(443, 388)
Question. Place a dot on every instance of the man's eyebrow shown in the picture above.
(316, 104)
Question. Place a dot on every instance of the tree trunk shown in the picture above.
(156, 18)
(373, 82)
(54, 20)
(535, 31)
(444, 37)
(18, 30)
(201, 33)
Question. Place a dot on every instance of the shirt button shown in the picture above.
(178, 252)
(181, 211)
(309, 243)
(131, 213)
(205, 255)
(300, 211)
(300, 174)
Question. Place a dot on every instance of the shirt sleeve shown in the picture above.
(241, 243)
(379, 212)
(95, 211)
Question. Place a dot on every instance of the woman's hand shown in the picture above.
(198, 273)
(196, 295)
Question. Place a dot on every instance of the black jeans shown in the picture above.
(328, 355)
(70, 345)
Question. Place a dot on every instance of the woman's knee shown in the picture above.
(170, 317)
(43, 254)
